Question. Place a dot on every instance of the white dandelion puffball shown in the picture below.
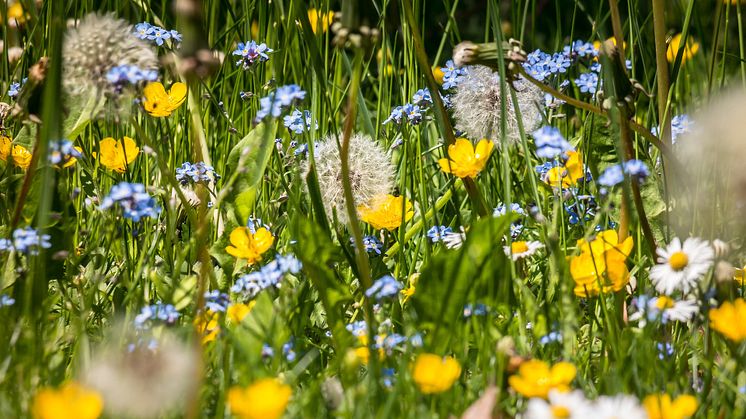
(477, 109)
(371, 173)
(99, 43)
(681, 266)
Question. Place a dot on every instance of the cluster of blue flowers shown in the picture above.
(298, 121)
(217, 301)
(288, 350)
(27, 241)
(550, 338)
(550, 143)
(251, 53)
(157, 312)
(269, 275)
(587, 83)
(279, 100)
(15, 89)
(191, 173)
(541, 65)
(412, 112)
(452, 75)
(62, 151)
(134, 201)
(384, 287)
(122, 76)
(516, 227)
(614, 175)
(146, 31)
(371, 243)
(436, 233)
(358, 328)
(680, 125)
(478, 309)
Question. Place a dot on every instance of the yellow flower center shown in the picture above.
(518, 247)
(678, 261)
(663, 302)
(560, 412)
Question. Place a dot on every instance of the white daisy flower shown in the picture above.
(560, 405)
(454, 240)
(664, 309)
(680, 267)
(522, 249)
(613, 407)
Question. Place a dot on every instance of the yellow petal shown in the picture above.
(177, 94)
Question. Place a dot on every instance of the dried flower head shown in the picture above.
(371, 173)
(146, 379)
(98, 44)
(478, 111)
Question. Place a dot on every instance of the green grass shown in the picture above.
(76, 297)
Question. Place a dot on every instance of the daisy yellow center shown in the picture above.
(678, 261)
(560, 412)
(664, 302)
(518, 247)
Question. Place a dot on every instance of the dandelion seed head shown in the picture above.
(99, 43)
(371, 173)
(476, 106)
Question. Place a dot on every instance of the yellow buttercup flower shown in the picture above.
(465, 160)
(238, 311)
(159, 103)
(730, 320)
(600, 266)
(320, 20)
(18, 154)
(675, 44)
(568, 174)
(438, 74)
(434, 373)
(16, 14)
(662, 407)
(385, 212)
(207, 326)
(535, 378)
(248, 245)
(117, 155)
(70, 401)
(264, 399)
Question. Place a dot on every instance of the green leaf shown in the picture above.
(476, 271)
(82, 108)
(250, 158)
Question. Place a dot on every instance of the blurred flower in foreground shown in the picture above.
(522, 249)
(238, 311)
(26, 240)
(165, 313)
(536, 378)
(609, 407)
(123, 76)
(320, 20)
(134, 201)
(557, 406)
(434, 373)
(601, 267)
(16, 15)
(680, 125)
(477, 106)
(144, 381)
(117, 155)
(675, 44)
(384, 287)
(730, 320)
(385, 212)
(17, 153)
(464, 160)
(660, 406)
(371, 173)
(158, 103)
(550, 143)
(69, 401)
(249, 246)
(207, 326)
(662, 309)
(95, 46)
(266, 398)
(681, 266)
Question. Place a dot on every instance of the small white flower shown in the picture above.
(454, 240)
(680, 267)
(560, 405)
(613, 407)
(522, 249)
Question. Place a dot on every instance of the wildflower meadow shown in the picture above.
(373, 208)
